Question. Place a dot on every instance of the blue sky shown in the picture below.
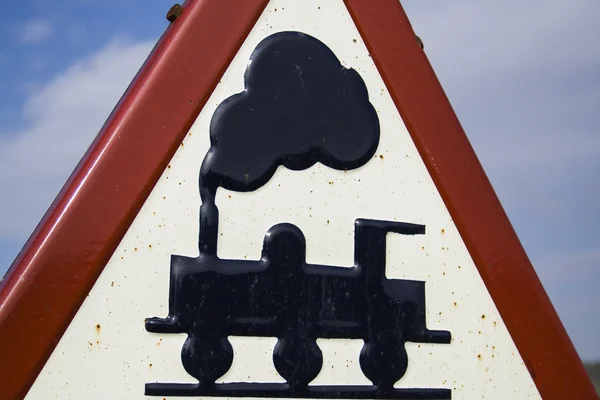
(523, 77)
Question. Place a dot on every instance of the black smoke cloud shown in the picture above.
(300, 107)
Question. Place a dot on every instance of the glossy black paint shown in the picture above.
(300, 107)
(282, 390)
(281, 295)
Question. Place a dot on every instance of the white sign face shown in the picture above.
(404, 278)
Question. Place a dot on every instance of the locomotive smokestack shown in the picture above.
(209, 223)
(209, 213)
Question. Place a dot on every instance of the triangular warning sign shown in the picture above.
(282, 205)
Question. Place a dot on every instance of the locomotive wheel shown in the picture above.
(298, 360)
(384, 361)
(207, 358)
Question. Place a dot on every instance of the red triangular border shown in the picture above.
(60, 263)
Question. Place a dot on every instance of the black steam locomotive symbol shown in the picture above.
(300, 107)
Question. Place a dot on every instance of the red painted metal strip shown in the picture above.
(490, 238)
(58, 266)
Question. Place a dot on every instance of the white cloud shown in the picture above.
(571, 280)
(471, 41)
(523, 78)
(36, 31)
(573, 266)
(62, 118)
